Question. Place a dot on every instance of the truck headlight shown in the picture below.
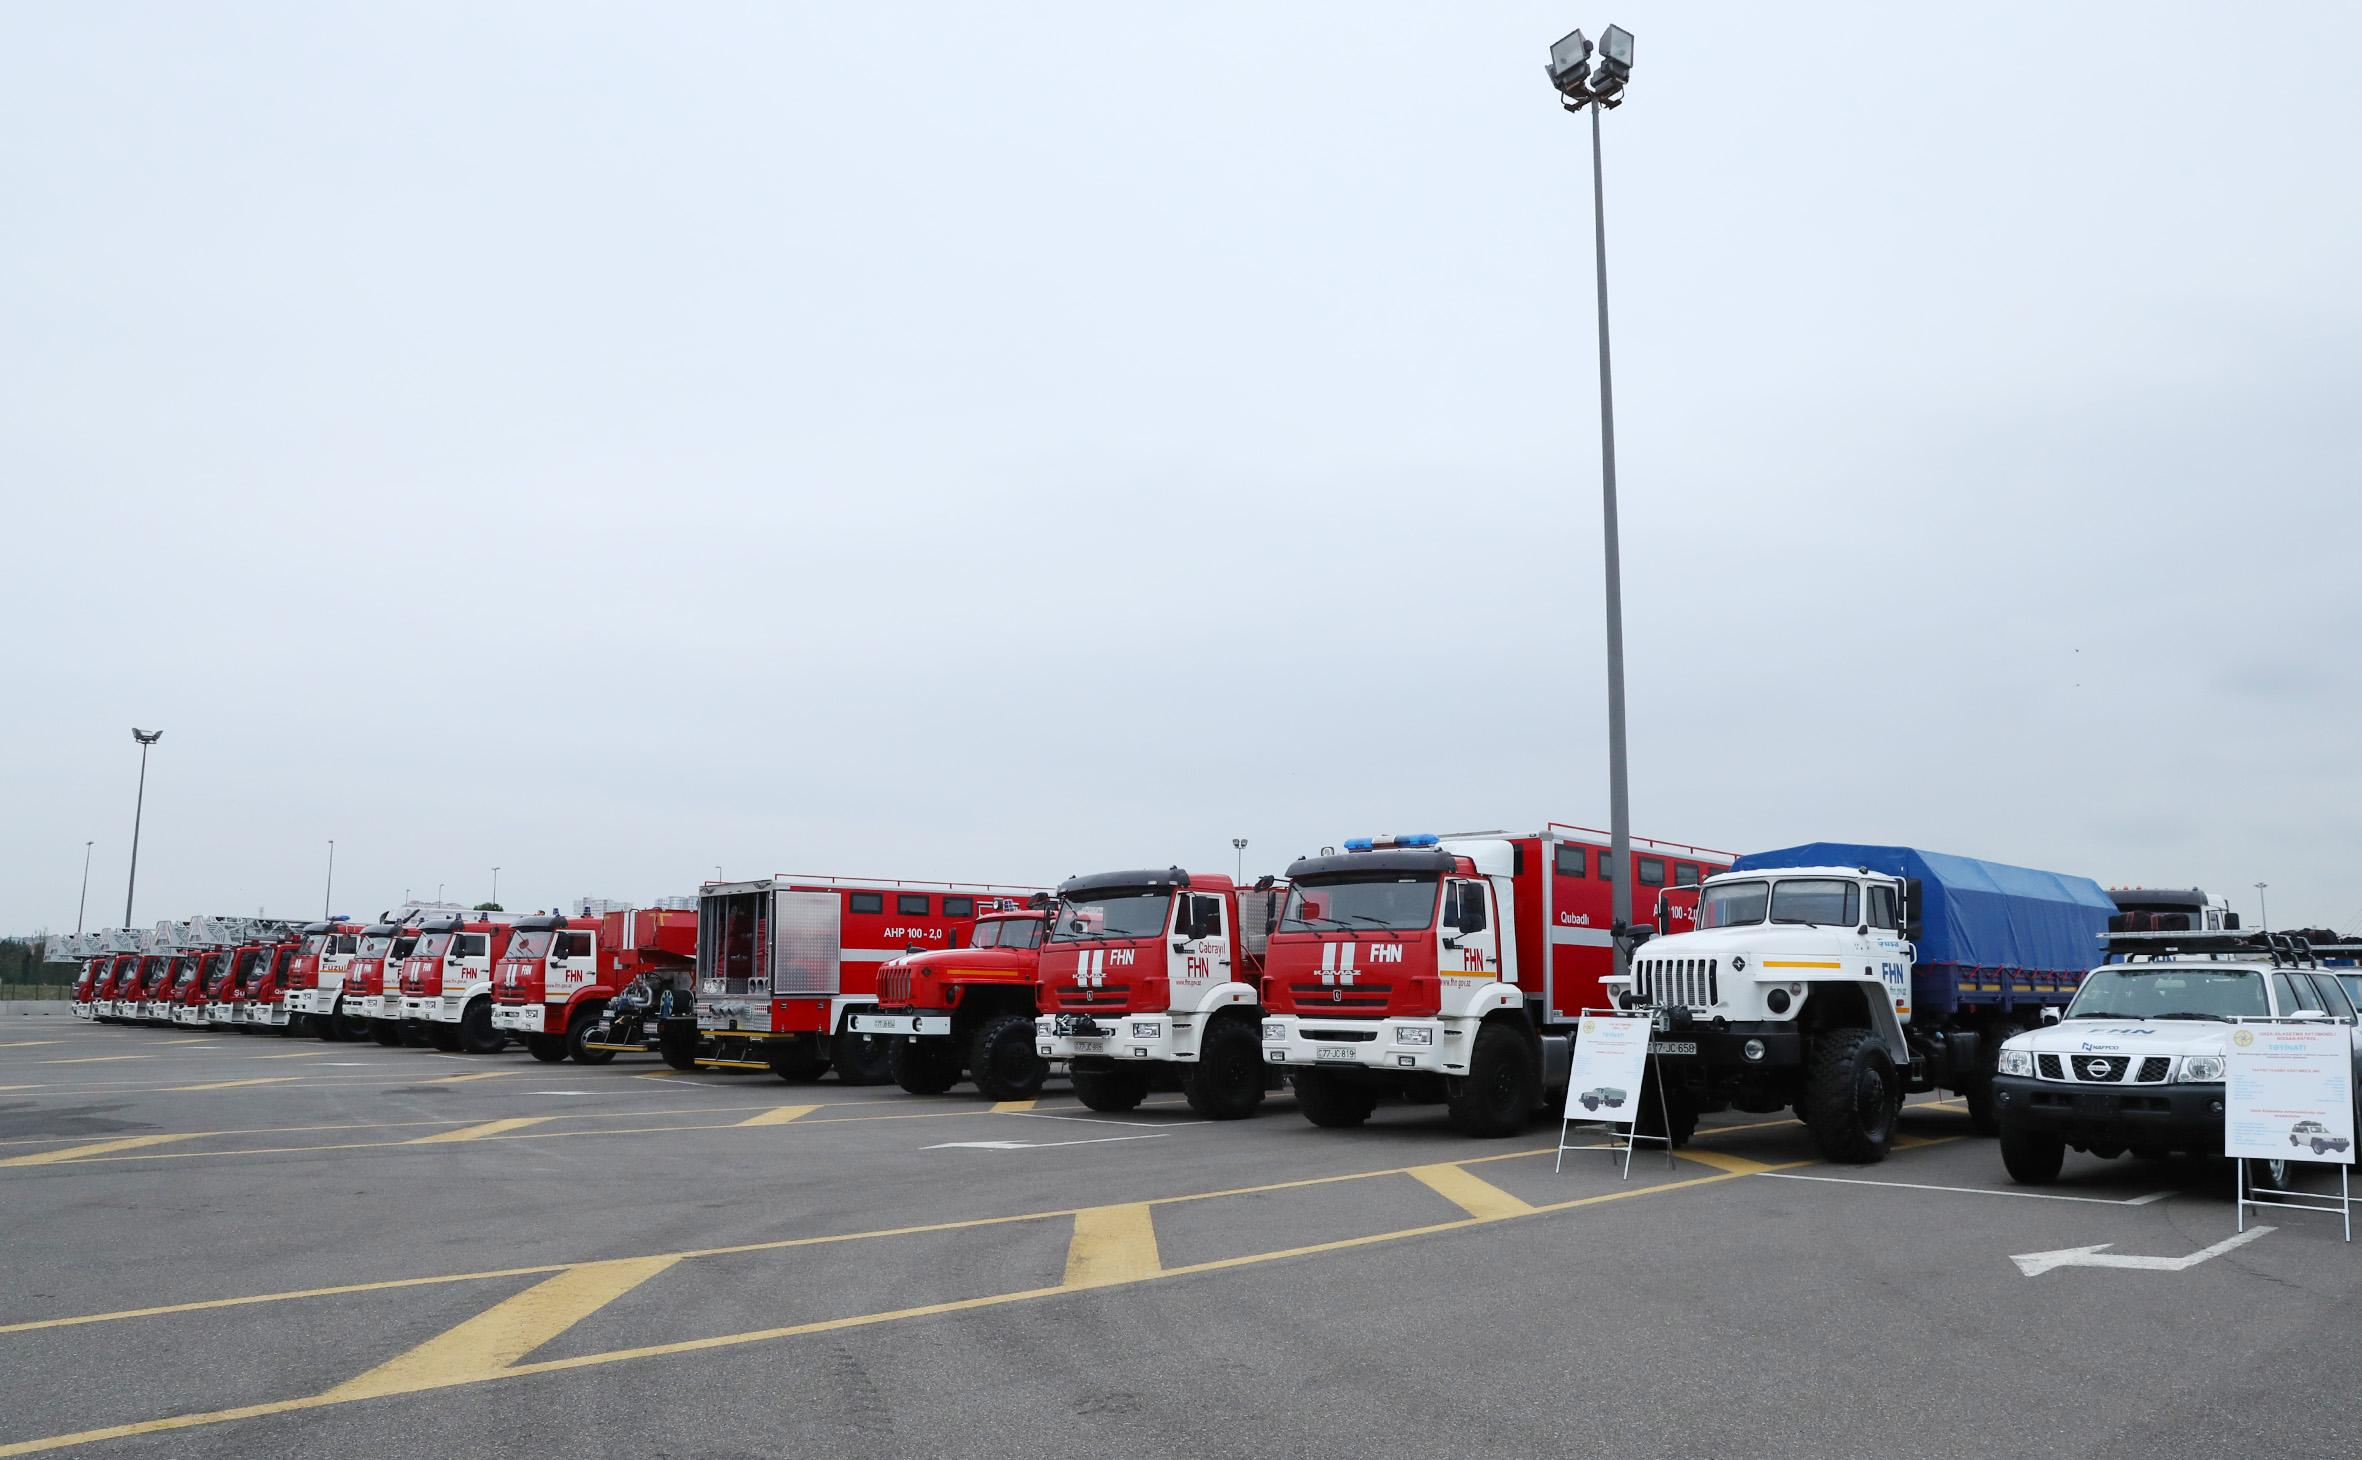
(2016, 1062)
(1274, 1033)
(1414, 1034)
(2205, 1068)
(1145, 1031)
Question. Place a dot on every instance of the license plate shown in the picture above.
(1672, 1046)
(1089, 1046)
(1333, 1052)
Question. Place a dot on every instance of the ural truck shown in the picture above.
(315, 978)
(1452, 968)
(446, 980)
(559, 977)
(1147, 970)
(785, 962)
(1835, 978)
(965, 1011)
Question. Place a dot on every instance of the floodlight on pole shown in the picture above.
(1240, 844)
(139, 808)
(1580, 86)
(2263, 906)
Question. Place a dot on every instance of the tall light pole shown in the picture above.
(328, 893)
(495, 885)
(2263, 906)
(1582, 87)
(1240, 844)
(83, 905)
(145, 738)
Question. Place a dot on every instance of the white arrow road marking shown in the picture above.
(1034, 1145)
(1102, 1120)
(2033, 1264)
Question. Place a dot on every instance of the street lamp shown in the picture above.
(2263, 906)
(83, 905)
(1582, 86)
(328, 893)
(1240, 843)
(145, 738)
(495, 884)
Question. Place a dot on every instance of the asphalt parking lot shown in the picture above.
(230, 1245)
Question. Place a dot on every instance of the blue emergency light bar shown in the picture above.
(1373, 843)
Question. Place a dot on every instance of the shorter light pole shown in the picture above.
(328, 893)
(1240, 843)
(145, 738)
(717, 871)
(495, 884)
(2263, 906)
(83, 905)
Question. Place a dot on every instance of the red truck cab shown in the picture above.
(261, 990)
(366, 996)
(560, 977)
(315, 977)
(445, 987)
(966, 1010)
(110, 988)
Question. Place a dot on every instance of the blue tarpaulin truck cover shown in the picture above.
(1976, 914)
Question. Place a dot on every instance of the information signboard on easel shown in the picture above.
(1608, 1079)
(2288, 1095)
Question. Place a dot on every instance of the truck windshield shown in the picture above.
(1826, 901)
(374, 947)
(315, 944)
(530, 945)
(2131, 992)
(431, 946)
(1393, 902)
(1733, 904)
(1008, 933)
(1118, 915)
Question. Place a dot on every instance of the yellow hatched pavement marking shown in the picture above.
(96, 1148)
(780, 1115)
(1112, 1245)
(478, 1132)
(480, 1075)
(1469, 1192)
(1724, 1161)
(229, 1084)
(496, 1338)
(1013, 1107)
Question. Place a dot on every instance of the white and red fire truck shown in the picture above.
(1451, 965)
(446, 979)
(262, 982)
(560, 975)
(784, 963)
(315, 978)
(376, 967)
(1148, 968)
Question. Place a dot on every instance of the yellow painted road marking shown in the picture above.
(481, 1075)
(96, 1148)
(1112, 1245)
(301, 1054)
(1723, 1161)
(96, 1059)
(1469, 1192)
(478, 1132)
(28, 1043)
(19, 1087)
(200, 1039)
(496, 1338)
(1014, 1107)
(780, 1115)
(229, 1084)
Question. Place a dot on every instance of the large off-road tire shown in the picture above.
(1002, 1060)
(1850, 1096)
(862, 1059)
(444, 1037)
(1330, 1099)
(582, 1025)
(1680, 1109)
(1111, 1092)
(476, 1034)
(677, 1041)
(2269, 1175)
(1501, 1088)
(547, 1048)
(2031, 1157)
(388, 1032)
(798, 1061)
(1979, 1093)
(926, 1066)
(1227, 1081)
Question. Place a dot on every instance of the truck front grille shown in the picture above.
(2102, 1069)
(1342, 996)
(1689, 983)
(893, 985)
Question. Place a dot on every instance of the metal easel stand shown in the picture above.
(2342, 1204)
(1622, 1138)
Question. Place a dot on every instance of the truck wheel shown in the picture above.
(677, 1040)
(2032, 1158)
(1501, 1088)
(547, 1048)
(1111, 1092)
(582, 1026)
(922, 1066)
(1680, 1107)
(1979, 1093)
(444, 1037)
(1849, 1097)
(1226, 1083)
(2270, 1175)
(340, 1027)
(476, 1034)
(799, 1061)
(1329, 1099)
(1002, 1059)
(387, 1032)
(861, 1059)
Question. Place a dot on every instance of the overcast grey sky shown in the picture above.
(1002, 441)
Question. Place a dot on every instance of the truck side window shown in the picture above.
(911, 904)
(1468, 911)
(574, 945)
(1652, 872)
(469, 945)
(1684, 875)
(1209, 916)
(959, 907)
(2333, 997)
(1882, 908)
(1571, 862)
(868, 902)
(1607, 868)
(2291, 998)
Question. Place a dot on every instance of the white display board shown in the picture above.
(1610, 1067)
(2288, 1093)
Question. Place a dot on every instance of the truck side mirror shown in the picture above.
(2050, 1013)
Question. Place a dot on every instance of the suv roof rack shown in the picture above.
(2285, 950)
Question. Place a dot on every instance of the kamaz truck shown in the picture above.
(560, 978)
(966, 1011)
(1835, 978)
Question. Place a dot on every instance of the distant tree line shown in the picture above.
(21, 963)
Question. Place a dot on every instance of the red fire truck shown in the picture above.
(561, 975)
(384, 944)
(783, 964)
(160, 973)
(108, 993)
(1450, 965)
(1158, 968)
(262, 981)
(315, 979)
(965, 1010)
(445, 985)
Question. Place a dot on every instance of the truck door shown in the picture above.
(1201, 944)
(1468, 936)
